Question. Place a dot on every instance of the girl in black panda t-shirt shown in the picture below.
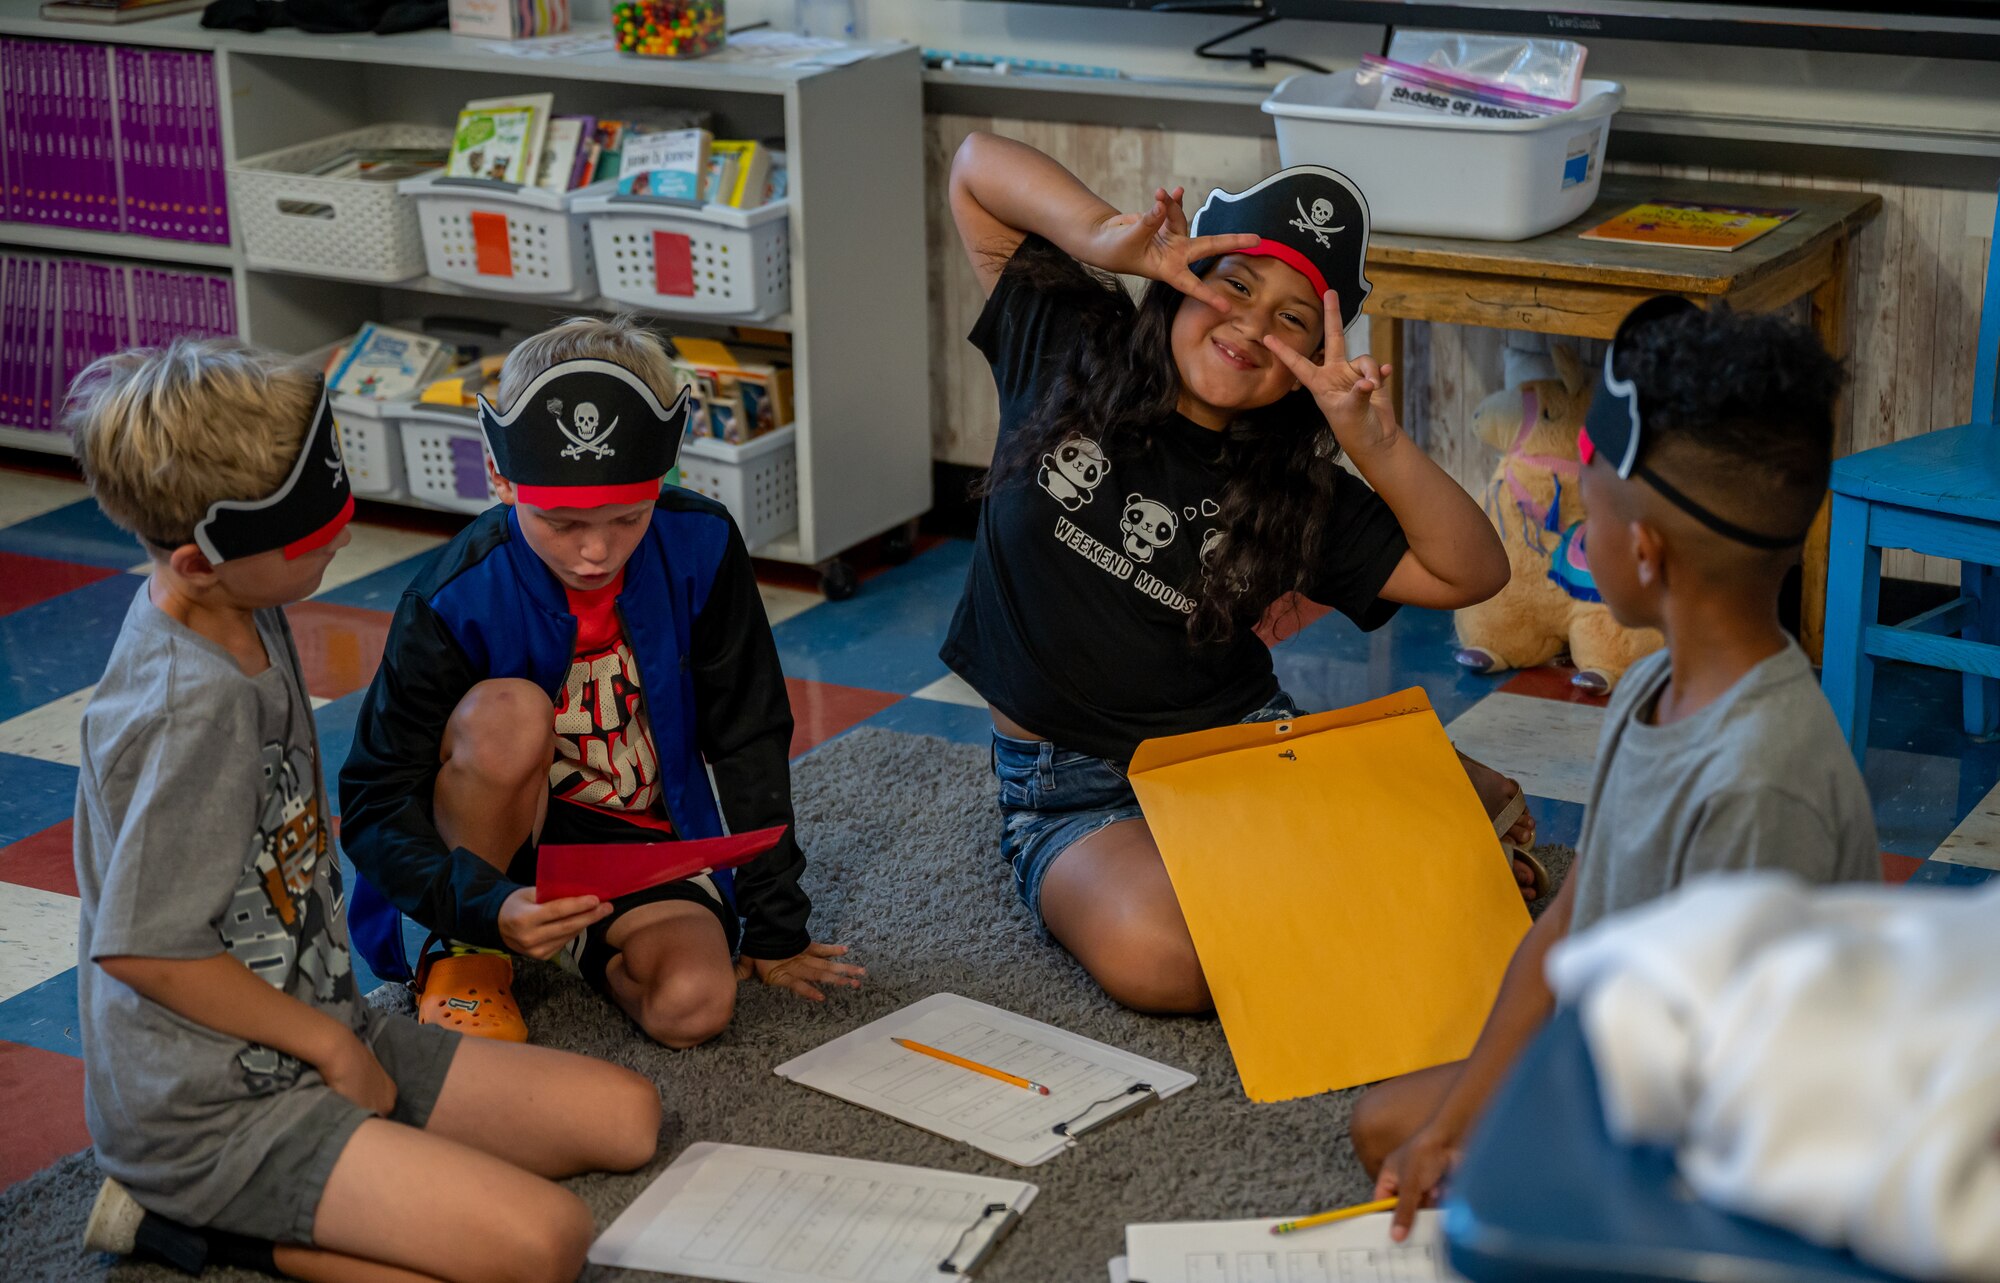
(1167, 470)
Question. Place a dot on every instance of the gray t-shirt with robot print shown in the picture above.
(201, 828)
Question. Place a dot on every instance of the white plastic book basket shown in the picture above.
(369, 446)
(504, 237)
(444, 457)
(757, 481)
(298, 221)
(670, 256)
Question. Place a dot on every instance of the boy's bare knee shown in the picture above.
(634, 1112)
(1371, 1130)
(545, 1243)
(683, 1010)
(502, 733)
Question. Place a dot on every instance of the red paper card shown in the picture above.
(491, 253)
(673, 264)
(609, 870)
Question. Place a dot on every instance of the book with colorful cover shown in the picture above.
(561, 147)
(673, 164)
(387, 364)
(500, 138)
(1689, 225)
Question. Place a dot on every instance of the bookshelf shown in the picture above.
(853, 137)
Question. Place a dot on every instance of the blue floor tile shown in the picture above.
(886, 637)
(1333, 664)
(75, 532)
(59, 645)
(336, 737)
(1939, 873)
(33, 795)
(44, 1016)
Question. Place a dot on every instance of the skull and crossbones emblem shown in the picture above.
(586, 430)
(1315, 221)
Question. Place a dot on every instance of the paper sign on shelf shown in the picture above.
(1351, 907)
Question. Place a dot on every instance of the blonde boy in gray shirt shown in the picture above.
(248, 1106)
(1705, 457)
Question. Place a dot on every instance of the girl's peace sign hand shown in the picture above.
(1349, 392)
(1156, 245)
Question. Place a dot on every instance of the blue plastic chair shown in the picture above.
(1938, 494)
(1546, 1195)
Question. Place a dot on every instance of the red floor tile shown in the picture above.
(822, 710)
(41, 1099)
(1898, 868)
(43, 861)
(339, 646)
(27, 580)
(1551, 682)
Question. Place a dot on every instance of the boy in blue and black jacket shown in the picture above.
(570, 669)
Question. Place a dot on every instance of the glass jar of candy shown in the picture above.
(669, 28)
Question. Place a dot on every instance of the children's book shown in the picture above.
(603, 146)
(388, 364)
(500, 138)
(739, 171)
(1684, 225)
(1088, 1083)
(671, 164)
(776, 1216)
(559, 152)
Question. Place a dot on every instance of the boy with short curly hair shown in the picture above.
(1705, 454)
(249, 1107)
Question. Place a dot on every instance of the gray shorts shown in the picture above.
(280, 1200)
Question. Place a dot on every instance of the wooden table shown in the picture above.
(1558, 283)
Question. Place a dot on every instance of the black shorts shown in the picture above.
(570, 822)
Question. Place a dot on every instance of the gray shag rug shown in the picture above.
(902, 834)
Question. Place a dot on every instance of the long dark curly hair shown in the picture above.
(1119, 383)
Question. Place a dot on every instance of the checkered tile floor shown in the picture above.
(66, 577)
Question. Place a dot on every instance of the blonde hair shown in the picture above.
(621, 339)
(162, 433)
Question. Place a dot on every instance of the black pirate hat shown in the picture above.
(304, 513)
(1310, 218)
(1615, 426)
(585, 433)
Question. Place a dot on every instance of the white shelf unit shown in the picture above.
(853, 138)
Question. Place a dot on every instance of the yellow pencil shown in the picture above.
(1328, 1218)
(973, 1065)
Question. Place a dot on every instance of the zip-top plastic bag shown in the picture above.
(1547, 69)
(1419, 91)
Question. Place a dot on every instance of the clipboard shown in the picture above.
(1348, 847)
(1091, 1083)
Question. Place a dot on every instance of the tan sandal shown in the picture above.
(472, 993)
(1516, 807)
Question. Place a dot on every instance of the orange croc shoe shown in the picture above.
(472, 993)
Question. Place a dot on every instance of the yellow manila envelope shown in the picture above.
(1349, 901)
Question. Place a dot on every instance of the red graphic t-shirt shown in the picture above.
(604, 749)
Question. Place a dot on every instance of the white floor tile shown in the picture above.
(1976, 840)
(951, 689)
(52, 733)
(374, 548)
(37, 936)
(781, 604)
(27, 494)
(1548, 745)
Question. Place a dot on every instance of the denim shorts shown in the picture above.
(1052, 798)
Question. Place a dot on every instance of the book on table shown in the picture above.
(1690, 225)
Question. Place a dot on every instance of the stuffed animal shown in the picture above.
(1551, 603)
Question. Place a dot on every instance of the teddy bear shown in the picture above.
(1550, 604)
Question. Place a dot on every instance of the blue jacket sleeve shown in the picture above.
(386, 786)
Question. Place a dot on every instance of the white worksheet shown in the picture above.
(772, 1216)
(1088, 1081)
(1356, 1251)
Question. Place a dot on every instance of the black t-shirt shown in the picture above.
(1074, 618)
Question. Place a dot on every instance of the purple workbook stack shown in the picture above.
(108, 138)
